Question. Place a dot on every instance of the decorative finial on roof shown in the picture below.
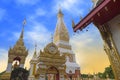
(35, 53)
(24, 23)
(35, 46)
(60, 14)
(73, 23)
(52, 37)
(81, 17)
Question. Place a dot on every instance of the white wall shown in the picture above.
(42, 77)
(31, 69)
(62, 77)
(9, 67)
(115, 30)
(22, 65)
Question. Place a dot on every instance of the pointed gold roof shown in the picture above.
(19, 48)
(61, 32)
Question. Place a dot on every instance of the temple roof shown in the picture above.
(19, 48)
(102, 13)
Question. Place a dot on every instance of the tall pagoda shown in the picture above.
(57, 60)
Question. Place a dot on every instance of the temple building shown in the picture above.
(16, 57)
(57, 60)
(105, 15)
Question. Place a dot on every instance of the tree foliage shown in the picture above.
(19, 74)
(108, 71)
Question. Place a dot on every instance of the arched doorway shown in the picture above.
(52, 73)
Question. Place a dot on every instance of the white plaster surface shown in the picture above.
(31, 69)
(22, 65)
(71, 66)
(9, 67)
(62, 50)
(114, 25)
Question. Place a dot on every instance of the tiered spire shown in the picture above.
(61, 33)
(22, 33)
(35, 53)
(73, 23)
(60, 14)
(19, 47)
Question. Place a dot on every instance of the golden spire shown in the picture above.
(24, 23)
(61, 32)
(35, 53)
(73, 23)
(60, 14)
(52, 37)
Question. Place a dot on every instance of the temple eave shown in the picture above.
(101, 14)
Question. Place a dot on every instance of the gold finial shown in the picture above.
(35, 46)
(81, 17)
(59, 7)
(73, 23)
(35, 51)
(60, 14)
(24, 22)
(52, 37)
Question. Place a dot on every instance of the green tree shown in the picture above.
(108, 71)
(19, 74)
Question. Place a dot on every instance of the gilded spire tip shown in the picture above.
(52, 37)
(35, 54)
(24, 22)
(60, 14)
(35, 46)
(73, 23)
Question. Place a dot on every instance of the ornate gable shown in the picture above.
(51, 56)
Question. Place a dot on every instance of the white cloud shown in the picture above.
(40, 12)
(38, 34)
(72, 6)
(24, 2)
(88, 48)
(3, 59)
(37, 13)
(2, 13)
(87, 40)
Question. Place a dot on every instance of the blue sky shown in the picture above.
(41, 16)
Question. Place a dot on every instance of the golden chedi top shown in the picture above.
(61, 32)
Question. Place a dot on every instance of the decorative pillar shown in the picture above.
(9, 66)
(110, 49)
(42, 77)
(32, 70)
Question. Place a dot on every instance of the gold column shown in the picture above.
(34, 69)
(110, 49)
